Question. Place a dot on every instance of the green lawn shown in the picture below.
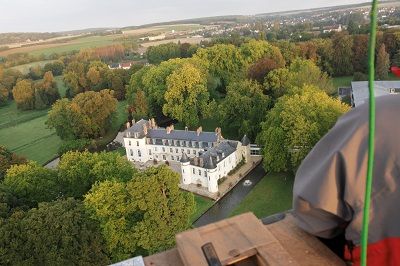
(202, 205)
(11, 116)
(31, 139)
(25, 67)
(271, 195)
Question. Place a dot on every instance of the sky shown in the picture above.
(61, 15)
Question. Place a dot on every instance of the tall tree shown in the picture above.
(187, 98)
(342, 54)
(244, 108)
(32, 183)
(262, 67)
(56, 233)
(163, 52)
(78, 171)
(142, 215)
(24, 94)
(382, 63)
(360, 53)
(295, 125)
(88, 115)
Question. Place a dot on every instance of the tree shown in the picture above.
(187, 98)
(342, 54)
(116, 83)
(7, 159)
(75, 77)
(262, 67)
(24, 94)
(163, 52)
(32, 183)
(56, 233)
(288, 49)
(35, 72)
(88, 115)
(46, 91)
(55, 67)
(360, 53)
(244, 108)
(142, 215)
(295, 125)
(254, 50)
(140, 105)
(225, 62)
(382, 63)
(299, 73)
(78, 171)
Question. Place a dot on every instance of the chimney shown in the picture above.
(168, 129)
(133, 122)
(196, 161)
(153, 123)
(186, 128)
(128, 124)
(145, 129)
(172, 127)
(199, 130)
(201, 162)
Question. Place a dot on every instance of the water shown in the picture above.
(227, 204)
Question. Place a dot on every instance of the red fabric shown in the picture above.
(385, 252)
(395, 70)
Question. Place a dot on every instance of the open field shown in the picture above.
(190, 40)
(24, 69)
(10, 116)
(271, 195)
(163, 28)
(31, 139)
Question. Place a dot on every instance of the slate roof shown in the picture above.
(213, 156)
(161, 133)
(245, 140)
(361, 93)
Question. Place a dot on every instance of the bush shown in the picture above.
(358, 76)
(154, 161)
(221, 180)
(74, 145)
(166, 162)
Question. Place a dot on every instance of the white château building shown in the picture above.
(205, 157)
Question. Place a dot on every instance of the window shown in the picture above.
(176, 150)
(170, 150)
(155, 148)
(164, 158)
(193, 171)
(188, 151)
(194, 152)
(172, 158)
(139, 153)
(129, 143)
(205, 174)
(163, 149)
(183, 171)
(131, 152)
(199, 172)
(182, 150)
(149, 152)
(137, 143)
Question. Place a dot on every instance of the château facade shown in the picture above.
(204, 157)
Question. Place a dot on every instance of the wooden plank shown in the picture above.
(167, 258)
(303, 247)
(231, 238)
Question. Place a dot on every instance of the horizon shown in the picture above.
(40, 14)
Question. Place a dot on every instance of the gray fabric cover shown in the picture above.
(328, 193)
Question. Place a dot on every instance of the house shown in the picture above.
(126, 65)
(204, 157)
(360, 90)
(332, 29)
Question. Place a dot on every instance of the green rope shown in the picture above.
(368, 185)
